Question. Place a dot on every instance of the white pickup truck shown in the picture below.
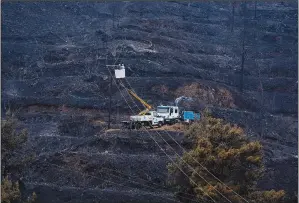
(150, 119)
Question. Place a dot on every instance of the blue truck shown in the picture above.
(190, 116)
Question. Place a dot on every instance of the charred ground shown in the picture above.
(53, 72)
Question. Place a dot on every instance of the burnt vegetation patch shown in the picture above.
(79, 126)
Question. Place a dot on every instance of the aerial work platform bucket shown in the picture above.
(120, 73)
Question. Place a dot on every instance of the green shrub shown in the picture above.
(224, 150)
(12, 161)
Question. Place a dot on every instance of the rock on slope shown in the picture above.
(54, 54)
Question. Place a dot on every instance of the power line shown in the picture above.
(191, 167)
(163, 149)
(62, 168)
(138, 108)
(143, 184)
(169, 145)
(196, 160)
(127, 179)
(145, 181)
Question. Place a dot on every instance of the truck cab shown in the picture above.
(170, 113)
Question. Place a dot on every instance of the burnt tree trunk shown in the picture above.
(233, 16)
(261, 104)
(243, 48)
(255, 9)
(242, 61)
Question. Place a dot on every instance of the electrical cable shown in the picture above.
(62, 168)
(192, 167)
(143, 180)
(150, 187)
(162, 148)
(197, 161)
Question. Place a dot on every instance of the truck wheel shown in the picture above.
(160, 124)
(148, 124)
(131, 126)
(138, 126)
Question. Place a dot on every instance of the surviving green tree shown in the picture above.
(12, 161)
(11, 141)
(221, 151)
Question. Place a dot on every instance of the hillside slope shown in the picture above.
(54, 54)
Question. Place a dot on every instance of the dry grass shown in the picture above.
(204, 94)
(218, 96)
(99, 122)
(113, 130)
(178, 127)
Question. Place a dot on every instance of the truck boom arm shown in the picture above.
(148, 107)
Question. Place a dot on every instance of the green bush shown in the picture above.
(224, 150)
(12, 161)
(9, 191)
(11, 140)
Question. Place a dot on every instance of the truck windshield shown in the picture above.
(162, 110)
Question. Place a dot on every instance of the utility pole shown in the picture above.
(242, 63)
(110, 98)
(110, 88)
(243, 50)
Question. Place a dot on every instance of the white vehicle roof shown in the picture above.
(152, 111)
(166, 106)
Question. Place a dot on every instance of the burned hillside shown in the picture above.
(238, 59)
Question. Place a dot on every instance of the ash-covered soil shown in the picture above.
(53, 72)
(82, 161)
